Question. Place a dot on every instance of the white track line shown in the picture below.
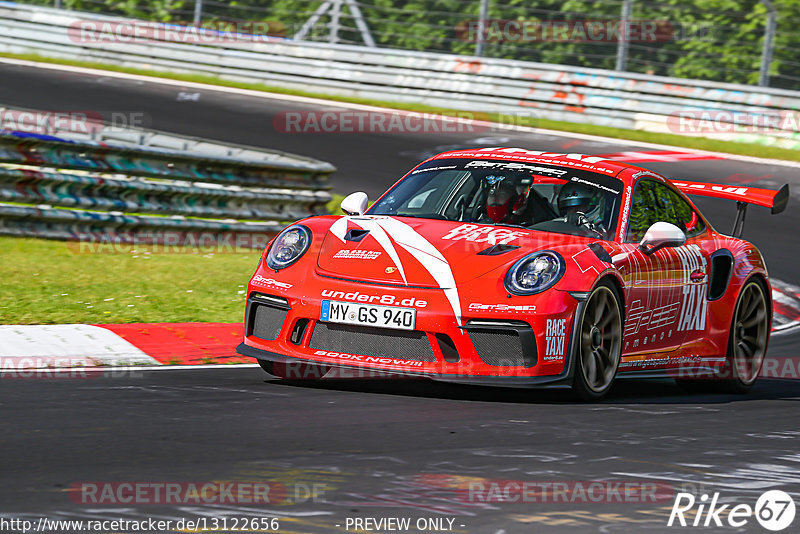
(362, 107)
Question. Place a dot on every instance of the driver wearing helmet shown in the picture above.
(580, 205)
(503, 201)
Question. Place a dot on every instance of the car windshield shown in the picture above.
(536, 196)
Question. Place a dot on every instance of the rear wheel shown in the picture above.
(599, 344)
(747, 344)
(294, 370)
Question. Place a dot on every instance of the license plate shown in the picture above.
(368, 315)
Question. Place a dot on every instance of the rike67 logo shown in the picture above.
(774, 510)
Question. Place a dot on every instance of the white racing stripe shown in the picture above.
(381, 228)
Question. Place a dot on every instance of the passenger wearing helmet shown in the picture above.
(502, 199)
(580, 205)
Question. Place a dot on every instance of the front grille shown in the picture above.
(267, 322)
(383, 343)
(501, 348)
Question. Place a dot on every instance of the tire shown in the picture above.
(747, 345)
(599, 347)
(294, 370)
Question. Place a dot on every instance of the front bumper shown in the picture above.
(490, 344)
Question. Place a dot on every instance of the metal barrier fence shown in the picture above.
(134, 190)
(624, 100)
(743, 41)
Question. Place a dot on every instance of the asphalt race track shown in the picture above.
(378, 448)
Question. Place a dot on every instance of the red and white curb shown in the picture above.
(67, 345)
(147, 344)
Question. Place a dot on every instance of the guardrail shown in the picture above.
(619, 99)
(123, 186)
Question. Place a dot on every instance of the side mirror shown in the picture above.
(660, 235)
(355, 203)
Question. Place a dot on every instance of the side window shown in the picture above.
(643, 213)
(686, 217)
(654, 202)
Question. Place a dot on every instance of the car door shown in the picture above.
(695, 257)
(654, 281)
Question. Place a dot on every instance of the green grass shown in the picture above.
(50, 282)
(700, 143)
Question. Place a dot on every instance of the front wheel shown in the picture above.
(294, 370)
(599, 344)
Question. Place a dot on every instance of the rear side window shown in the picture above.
(686, 218)
(655, 202)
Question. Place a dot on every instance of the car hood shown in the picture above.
(425, 252)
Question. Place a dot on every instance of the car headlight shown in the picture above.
(534, 273)
(288, 247)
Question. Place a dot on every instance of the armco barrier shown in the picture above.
(124, 186)
(624, 100)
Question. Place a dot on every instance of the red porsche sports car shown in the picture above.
(515, 267)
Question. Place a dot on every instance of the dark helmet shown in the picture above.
(501, 199)
(581, 197)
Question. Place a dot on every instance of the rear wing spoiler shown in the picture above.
(776, 201)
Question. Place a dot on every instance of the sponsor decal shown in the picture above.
(389, 300)
(593, 184)
(521, 151)
(641, 318)
(694, 303)
(476, 306)
(691, 360)
(259, 280)
(740, 191)
(356, 254)
(440, 168)
(774, 510)
(367, 359)
(555, 335)
(625, 211)
(483, 234)
(534, 169)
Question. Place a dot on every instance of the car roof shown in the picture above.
(572, 160)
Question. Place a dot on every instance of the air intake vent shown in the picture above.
(503, 344)
(267, 322)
